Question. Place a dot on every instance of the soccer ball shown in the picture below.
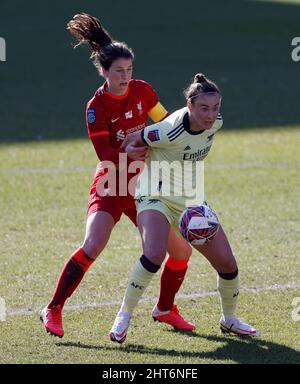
(198, 224)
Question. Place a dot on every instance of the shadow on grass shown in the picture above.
(242, 351)
(245, 46)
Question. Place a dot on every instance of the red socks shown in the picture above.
(171, 279)
(72, 273)
(70, 277)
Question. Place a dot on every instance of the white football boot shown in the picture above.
(237, 327)
(119, 329)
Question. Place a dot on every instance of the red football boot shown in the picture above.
(52, 320)
(172, 317)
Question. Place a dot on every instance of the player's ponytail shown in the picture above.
(87, 29)
(200, 85)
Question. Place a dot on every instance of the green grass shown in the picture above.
(251, 181)
(86, 338)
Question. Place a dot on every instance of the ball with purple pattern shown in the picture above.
(198, 224)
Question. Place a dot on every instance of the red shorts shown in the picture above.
(115, 205)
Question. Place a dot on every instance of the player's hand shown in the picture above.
(133, 138)
(137, 152)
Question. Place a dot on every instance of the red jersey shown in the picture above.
(110, 118)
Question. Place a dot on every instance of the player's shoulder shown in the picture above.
(140, 85)
(97, 100)
(176, 118)
(173, 124)
(218, 123)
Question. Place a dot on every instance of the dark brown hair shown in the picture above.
(200, 85)
(87, 29)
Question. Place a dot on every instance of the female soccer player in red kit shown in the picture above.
(120, 106)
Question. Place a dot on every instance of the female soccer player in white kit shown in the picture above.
(186, 135)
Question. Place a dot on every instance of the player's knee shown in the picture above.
(187, 251)
(229, 265)
(182, 251)
(156, 256)
(182, 254)
(93, 247)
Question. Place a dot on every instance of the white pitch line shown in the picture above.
(194, 295)
(48, 170)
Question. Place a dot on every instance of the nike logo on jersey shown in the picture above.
(209, 138)
(114, 120)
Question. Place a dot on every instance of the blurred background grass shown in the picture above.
(245, 46)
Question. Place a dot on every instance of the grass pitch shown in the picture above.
(254, 193)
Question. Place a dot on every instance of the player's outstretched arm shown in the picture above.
(135, 147)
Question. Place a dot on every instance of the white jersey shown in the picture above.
(174, 168)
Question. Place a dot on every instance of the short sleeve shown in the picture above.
(155, 135)
(96, 119)
(150, 96)
(99, 132)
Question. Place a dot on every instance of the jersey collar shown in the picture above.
(103, 91)
(186, 125)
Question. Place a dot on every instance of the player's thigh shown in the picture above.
(154, 230)
(178, 247)
(130, 211)
(99, 226)
(219, 253)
